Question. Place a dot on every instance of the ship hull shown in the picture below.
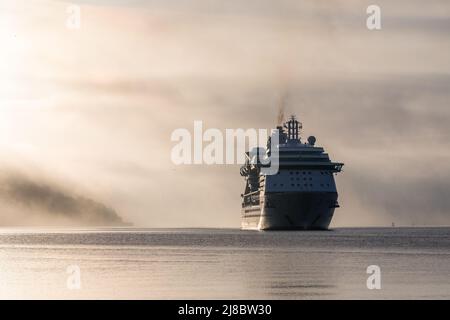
(291, 211)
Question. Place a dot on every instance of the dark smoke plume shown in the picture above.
(282, 109)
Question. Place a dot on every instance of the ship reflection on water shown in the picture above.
(225, 263)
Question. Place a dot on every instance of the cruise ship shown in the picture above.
(302, 195)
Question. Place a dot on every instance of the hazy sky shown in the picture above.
(90, 111)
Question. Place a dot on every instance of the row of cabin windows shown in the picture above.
(303, 179)
(299, 185)
(307, 172)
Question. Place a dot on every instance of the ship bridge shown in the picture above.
(293, 153)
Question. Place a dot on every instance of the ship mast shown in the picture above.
(293, 127)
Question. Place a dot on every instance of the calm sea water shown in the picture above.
(225, 263)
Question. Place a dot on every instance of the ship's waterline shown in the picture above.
(292, 211)
(302, 195)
